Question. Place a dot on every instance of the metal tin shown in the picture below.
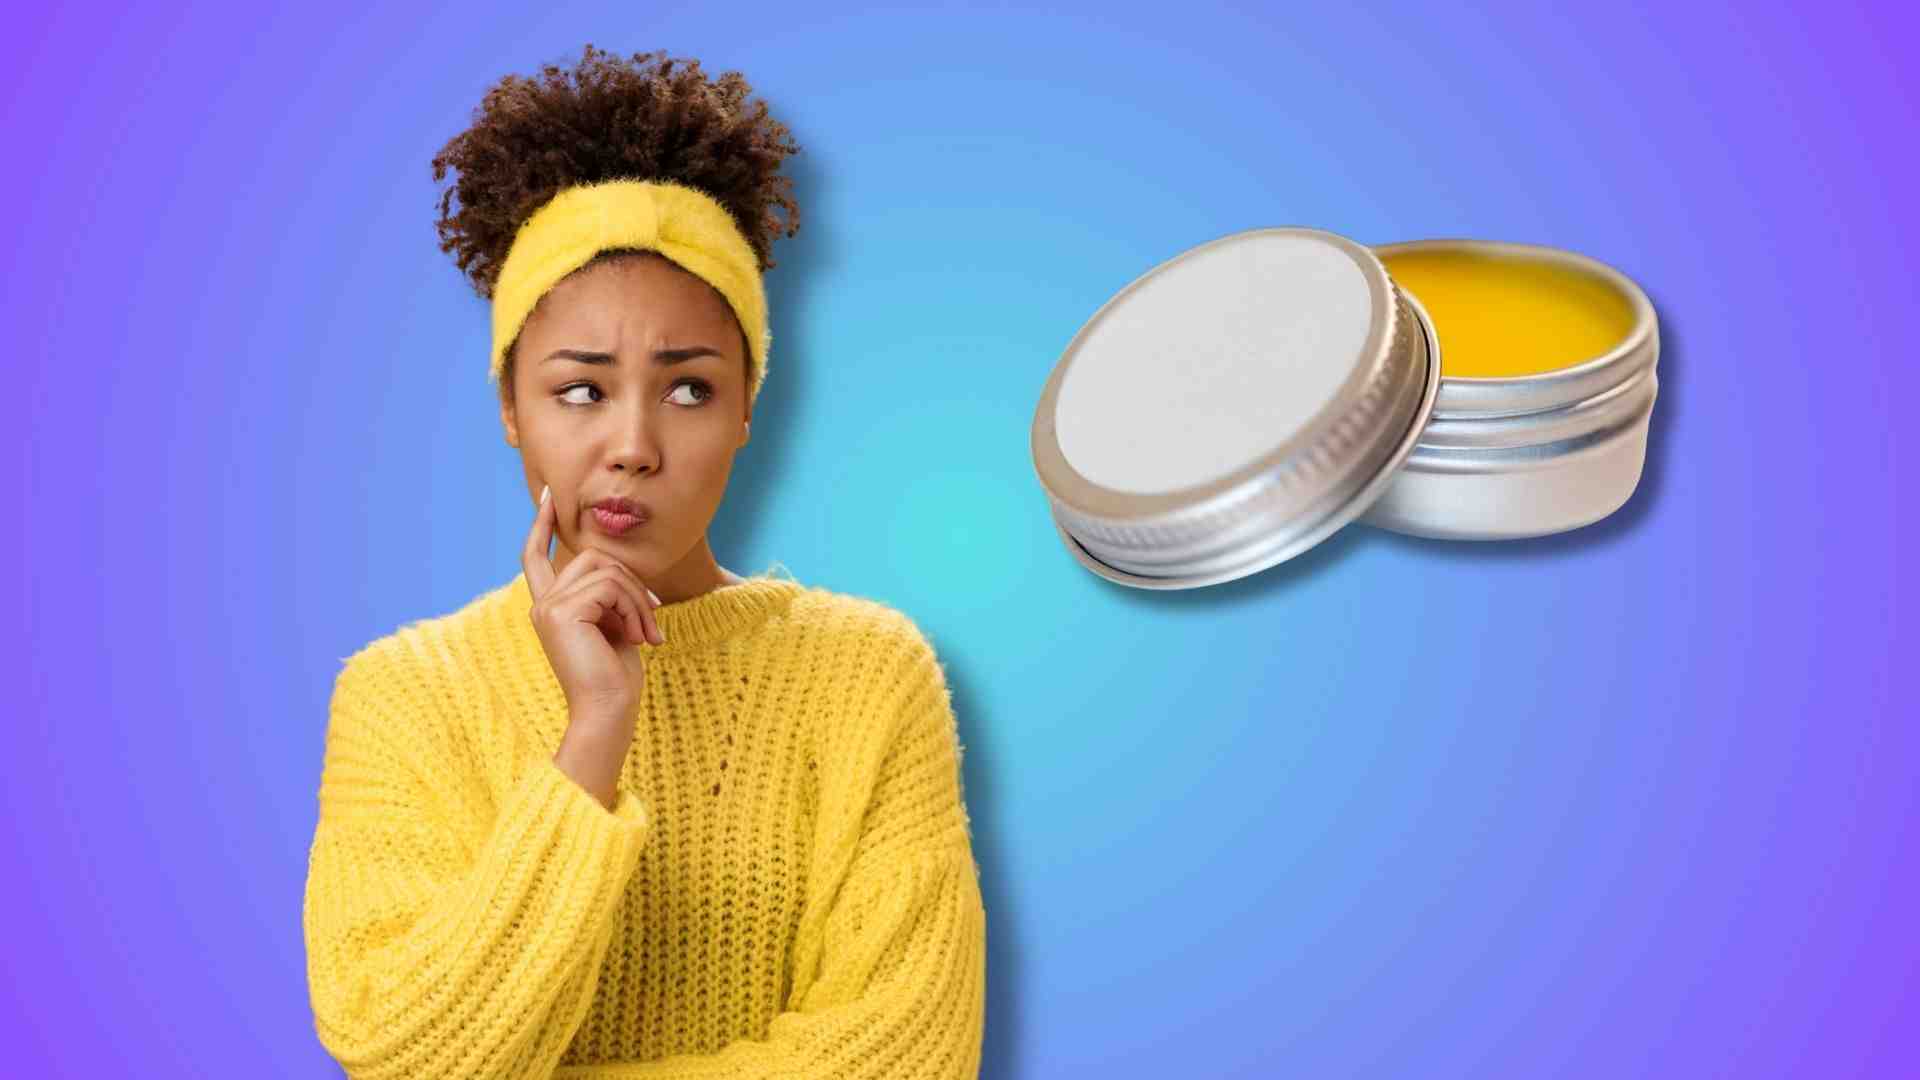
(1504, 458)
(1232, 407)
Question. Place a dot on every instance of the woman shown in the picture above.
(632, 815)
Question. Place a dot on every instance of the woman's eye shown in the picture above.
(577, 386)
(704, 390)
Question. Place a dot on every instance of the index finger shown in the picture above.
(534, 559)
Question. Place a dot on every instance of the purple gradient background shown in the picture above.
(1636, 800)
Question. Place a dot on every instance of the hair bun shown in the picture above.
(648, 118)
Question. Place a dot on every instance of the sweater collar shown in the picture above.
(715, 615)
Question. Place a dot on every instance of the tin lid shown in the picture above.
(1232, 407)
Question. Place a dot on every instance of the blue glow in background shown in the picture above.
(1636, 800)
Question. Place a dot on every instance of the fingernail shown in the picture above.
(656, 598)
(543, 494)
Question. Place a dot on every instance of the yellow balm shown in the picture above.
(1499, 316)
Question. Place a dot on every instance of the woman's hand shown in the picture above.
(590, 618)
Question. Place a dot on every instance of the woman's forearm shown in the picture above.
(593, 752)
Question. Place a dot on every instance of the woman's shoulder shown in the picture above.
(889, 670)
(428, 643)
(429, 664)
(419, 699)
(871, 643)
(859, 624)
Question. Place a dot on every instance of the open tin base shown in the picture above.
(1530, 455)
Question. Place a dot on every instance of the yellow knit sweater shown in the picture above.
(786, 887)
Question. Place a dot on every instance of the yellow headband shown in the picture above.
(683, 223)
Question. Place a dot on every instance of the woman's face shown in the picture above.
(629, 380)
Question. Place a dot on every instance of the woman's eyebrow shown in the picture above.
(662, 356)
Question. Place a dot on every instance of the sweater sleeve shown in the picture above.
(900, 986)
(434, 951)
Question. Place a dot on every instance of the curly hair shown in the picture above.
(650, 118)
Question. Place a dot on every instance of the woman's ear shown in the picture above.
(508, 421)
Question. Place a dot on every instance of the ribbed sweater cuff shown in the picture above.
(604, 836)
